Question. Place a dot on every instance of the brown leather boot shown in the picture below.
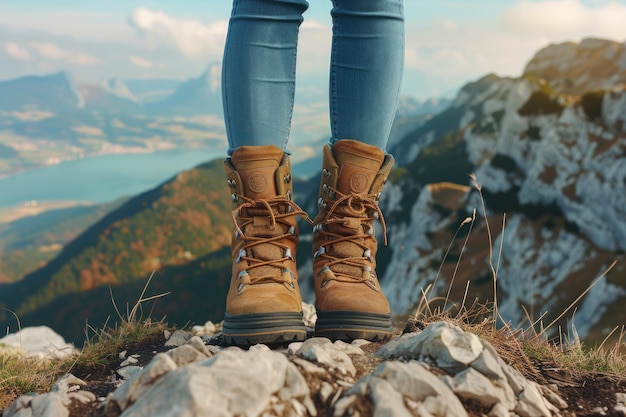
(349, 301)
(263, 304)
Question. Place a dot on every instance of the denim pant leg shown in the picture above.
(367, 61)
(258, 71)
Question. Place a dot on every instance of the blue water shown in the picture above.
(102, 178)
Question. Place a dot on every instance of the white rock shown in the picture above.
(139, 383)
(451, 348)
(67, 383)
(197, 343)
(530, 402)
(178, 338)
(41, 342)
(472, 385)
(387, 400)
(323, 351)
(620, 408)
(185, 354)
(235, 382)
(411, 380)
(208, 329)
(129, 371)
(620, 397)
(53, 404)
(309, 315)
(499, 410)
(131, 360)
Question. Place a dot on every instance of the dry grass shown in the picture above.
(526, 349)
(21, 375)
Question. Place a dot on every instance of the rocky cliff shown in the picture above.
(550, 180)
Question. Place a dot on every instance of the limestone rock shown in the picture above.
(40, 342)
(451, 348)
(331, 354)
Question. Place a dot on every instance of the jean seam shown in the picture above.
(333, 80)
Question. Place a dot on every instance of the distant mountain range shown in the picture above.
(549, 162)
(50, 119)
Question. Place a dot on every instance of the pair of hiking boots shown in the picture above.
(263, 304)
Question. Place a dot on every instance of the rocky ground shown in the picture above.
(438, 371)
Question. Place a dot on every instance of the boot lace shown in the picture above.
(278, 210)
(344, 210)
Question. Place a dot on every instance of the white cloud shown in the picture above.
(52, 51)
(140, 62)
(190, 37)
(17, 52)
(461, 51)
(566, 19)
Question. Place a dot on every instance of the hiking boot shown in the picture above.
(263, 304)
(349, 301)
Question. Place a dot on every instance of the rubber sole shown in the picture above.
(267, 328)
(351, 325)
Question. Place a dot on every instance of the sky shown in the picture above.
(448, 42)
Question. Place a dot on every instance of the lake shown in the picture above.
(99, 179)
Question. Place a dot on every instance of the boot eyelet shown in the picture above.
(288, 195)
(288, 254)
(232, 183)
(240, 288)
(370, 231)
(368, 254)
(234, 198)
(325, 188)
(292, 285)
(324, 283)
(242, 253)
(237, 235)
(326, 173)
(376, 215)
(378, 195)
(319, 252)
(287, 178)
(242, 274)
(292, 230)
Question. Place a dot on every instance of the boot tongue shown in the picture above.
(359, 163)
(257, 167)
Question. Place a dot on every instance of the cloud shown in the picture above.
(140, 62)
(457, 51)
(191, 38)
(16, 51)
(574, 19)
(51, 51)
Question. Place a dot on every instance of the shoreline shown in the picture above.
(21, 211)
(4, 176)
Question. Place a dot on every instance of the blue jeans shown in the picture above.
(259, 66)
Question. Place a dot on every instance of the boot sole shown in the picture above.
(351, 325)
(264, 328)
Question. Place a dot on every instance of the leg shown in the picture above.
(367, 60)
(366, 68)
(263, 304)
(258, 71)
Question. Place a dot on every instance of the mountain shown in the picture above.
(56, 92)
(29, 243)
(550, 166)
(550, 174)
(577, 68)
(196, 96)
(178, 229)
(151, 89)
